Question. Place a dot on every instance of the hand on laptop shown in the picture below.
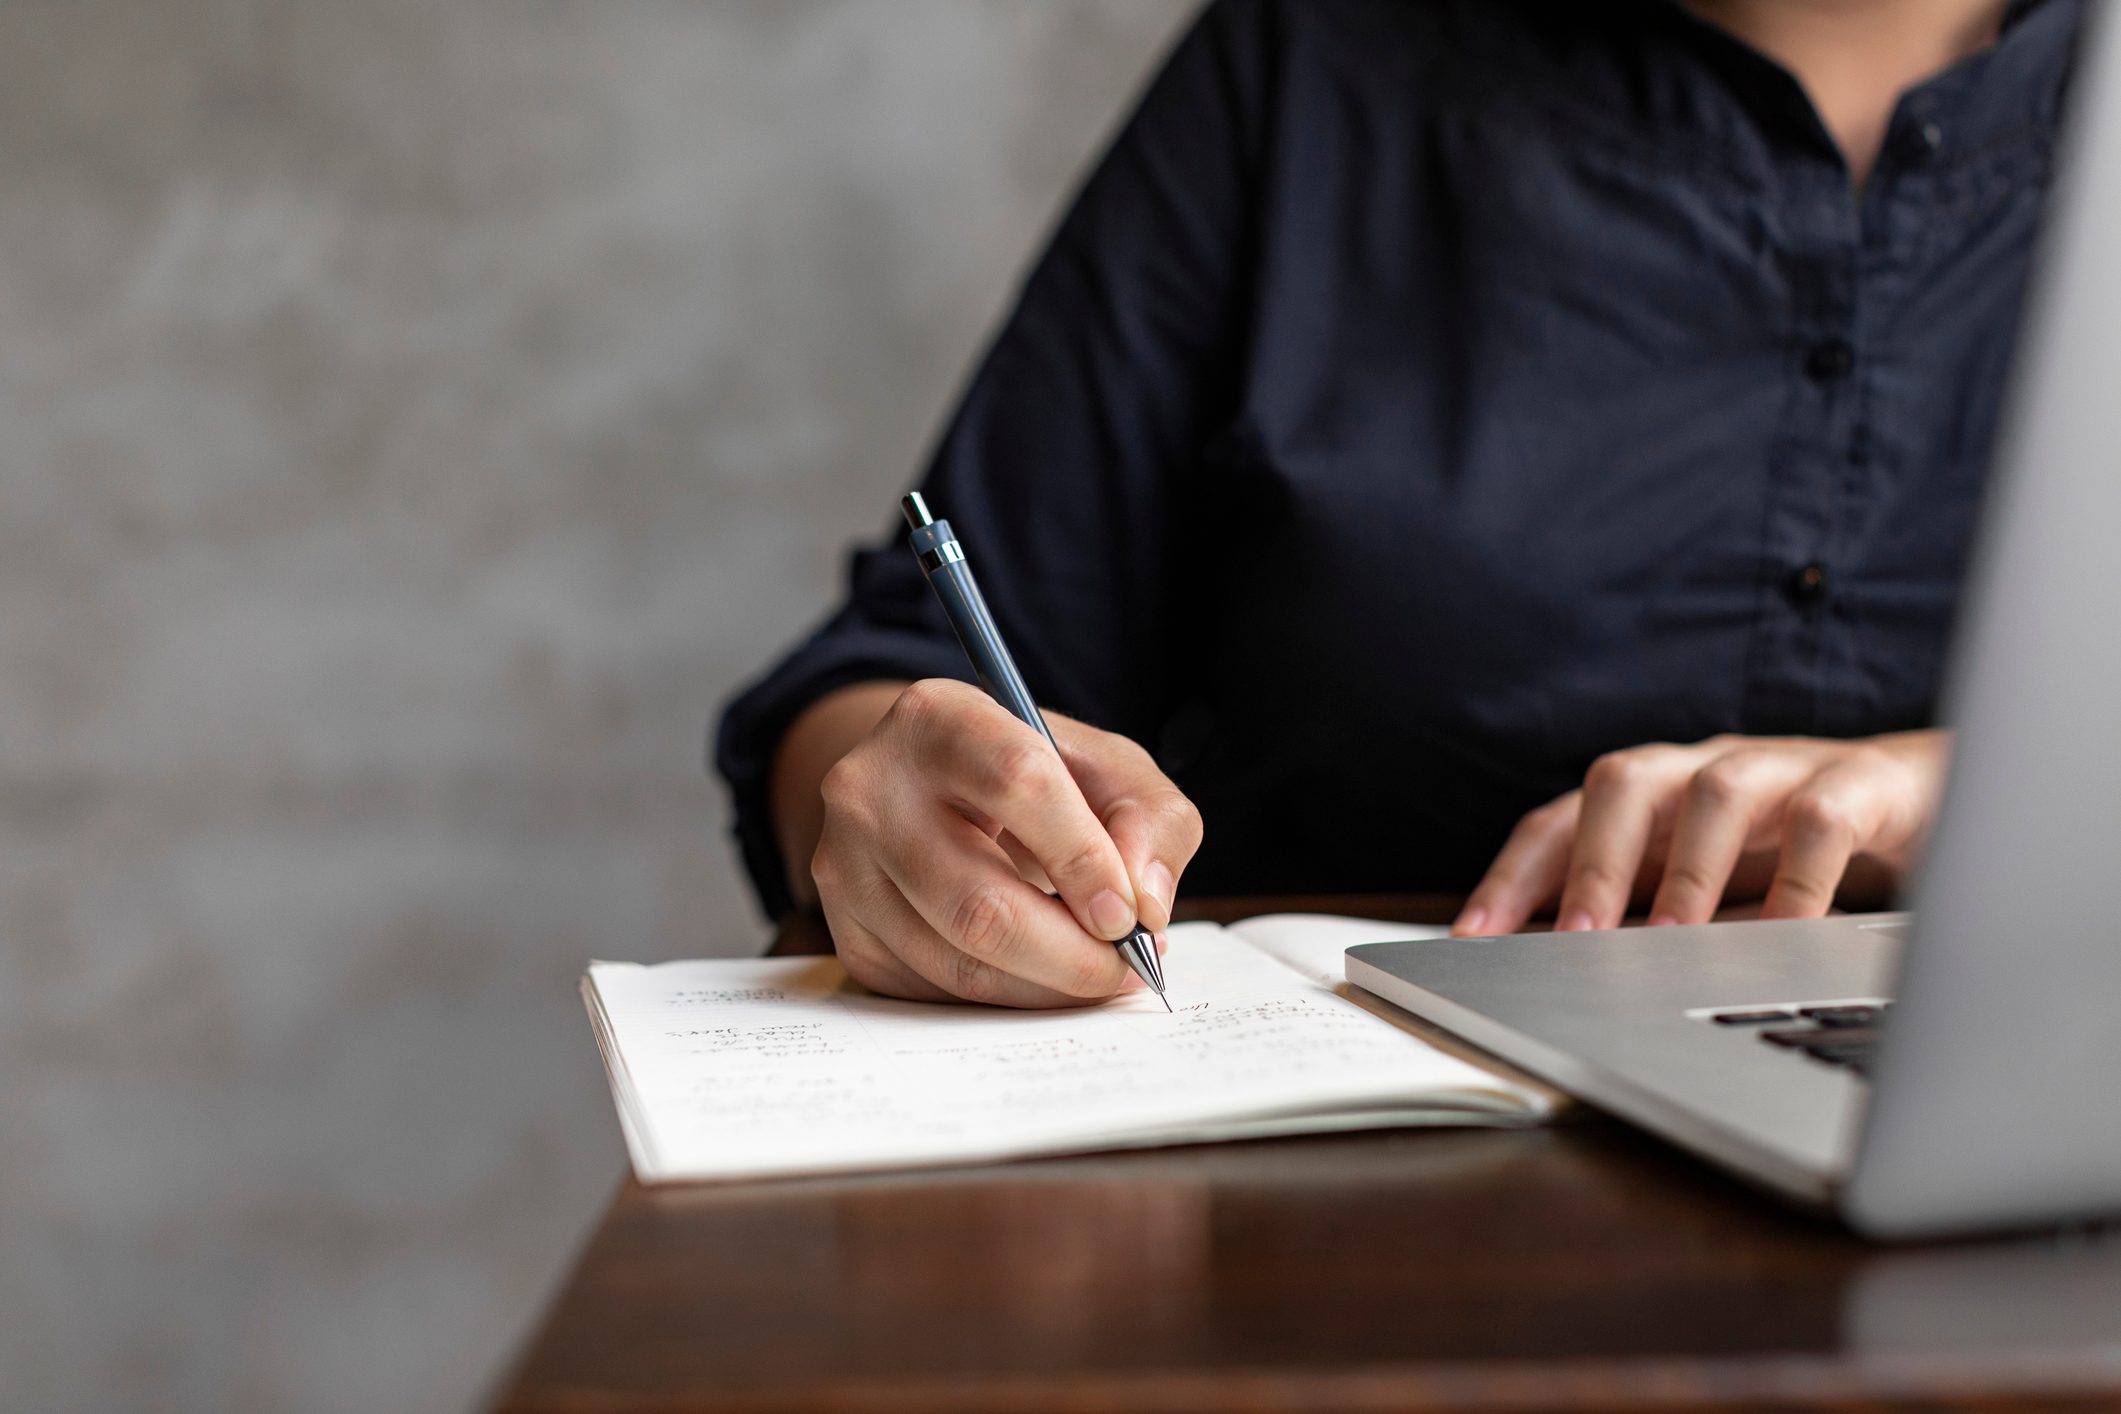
(946, 825)
(1732, 817)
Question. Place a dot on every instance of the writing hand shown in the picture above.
(1697, 823)
(944, 828)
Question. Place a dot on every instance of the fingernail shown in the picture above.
(1110, 915)
(1575, 920)
(1663, 920)
(1471, 923)
(1157, 882)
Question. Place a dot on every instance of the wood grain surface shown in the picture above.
(1577, 1267)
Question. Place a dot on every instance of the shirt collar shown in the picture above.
(2012, 89)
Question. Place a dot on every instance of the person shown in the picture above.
(1505, 444)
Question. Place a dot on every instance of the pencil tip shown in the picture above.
(1165, 1000)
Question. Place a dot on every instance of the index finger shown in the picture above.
(967, 892)
(1526, 874)
(1012, 777)
(1622, 795)
(1156, 828)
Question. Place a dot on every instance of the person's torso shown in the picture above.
(1584, 405)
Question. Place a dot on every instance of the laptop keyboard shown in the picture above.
(1843, 1034)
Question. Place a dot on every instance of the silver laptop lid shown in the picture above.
(1998, 1093)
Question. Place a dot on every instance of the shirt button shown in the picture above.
(1808, 585)
(1919, 142)
(1830, 361)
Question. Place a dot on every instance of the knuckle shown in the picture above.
(1017, 768)
(1177, 818)
(1612, 771)
(1723, 782)
(1815, 812)
(1165, 816)
(924, 698)
(984, 920)
(929, 710)
(1085, 863)
(842, 785)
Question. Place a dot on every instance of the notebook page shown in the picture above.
(755, 1068)
(1315, 946)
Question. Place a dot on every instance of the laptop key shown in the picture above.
(1840, 1015)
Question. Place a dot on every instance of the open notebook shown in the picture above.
(759, 1068)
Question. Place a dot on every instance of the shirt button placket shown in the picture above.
(1787, 691)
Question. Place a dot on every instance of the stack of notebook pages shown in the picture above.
(777, 1067)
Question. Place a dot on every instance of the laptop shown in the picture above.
(1957, 1068)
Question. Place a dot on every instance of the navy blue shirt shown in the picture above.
(1423, 397)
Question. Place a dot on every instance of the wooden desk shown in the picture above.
(1579, 1267)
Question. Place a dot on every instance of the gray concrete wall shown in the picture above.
(414, 418)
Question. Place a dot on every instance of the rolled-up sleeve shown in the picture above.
(1076, 453)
